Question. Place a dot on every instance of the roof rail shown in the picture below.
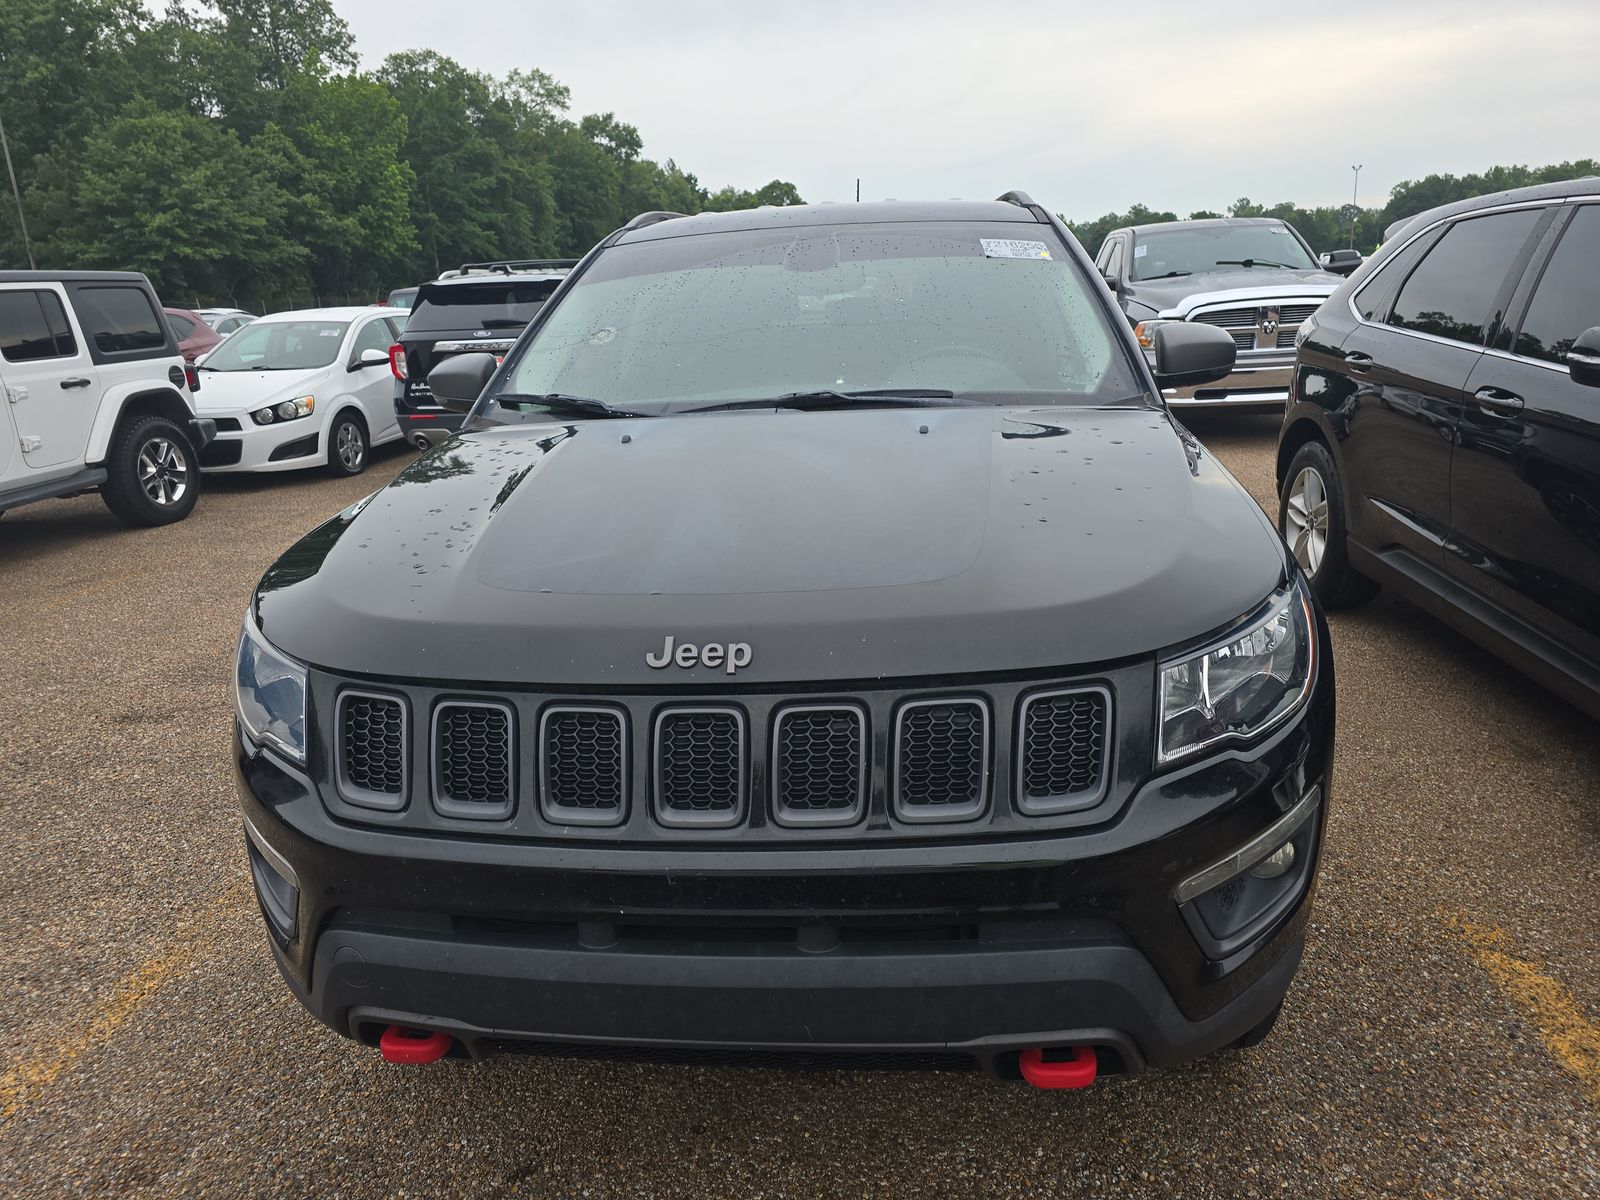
(1020, 199)
(652, 218)
(507, 265)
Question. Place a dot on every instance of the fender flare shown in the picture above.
(142, 394)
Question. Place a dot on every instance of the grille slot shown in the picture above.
(1063, 747)
(1296, 314)
(700, 768)
(819, 765)
(371, 765)
(583, 765)
(941, 760)
(1229, 318)
(474, 766)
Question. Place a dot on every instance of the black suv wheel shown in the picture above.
(1311, 515)
(152, 473)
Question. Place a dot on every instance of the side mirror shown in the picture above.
(1583, 359)
(1189, 354)
(459, 380)
(1112, 283)
(1341, 262)
(369, 358)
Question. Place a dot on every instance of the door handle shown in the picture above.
(1498, 400)
(1358, 363)
(75, 383)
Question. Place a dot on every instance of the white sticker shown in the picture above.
(329, 332)
(1006, 248)
(1140, 251)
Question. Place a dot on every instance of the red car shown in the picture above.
(194, 336)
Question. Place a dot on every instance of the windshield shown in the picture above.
(487, 304)
(681, 323)
(1200, 249)
(280, 346)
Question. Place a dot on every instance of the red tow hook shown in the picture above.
(1076, 1071)
(401, 1045)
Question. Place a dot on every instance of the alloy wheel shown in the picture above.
(1307, 517)
(163, 471)
(350, 446)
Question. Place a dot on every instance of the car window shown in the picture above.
(181, 326)
(1567, 300)
(374, 335)
(280, 346)
(119, 320)
(498, 306)
(1199, 249)
(397, 322)
(33, 326)
(1114, 264)
(1451, 291)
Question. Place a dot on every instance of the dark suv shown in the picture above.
(819, 645)
(477, 307)
(1444, 432)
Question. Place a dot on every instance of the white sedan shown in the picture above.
(301, 389)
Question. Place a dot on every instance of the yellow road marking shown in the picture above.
(25, 1080)
(1572, 1039)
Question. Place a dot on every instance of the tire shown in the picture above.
(1311, 514)
(348, 447)
(1257, 1035)
(152, 472)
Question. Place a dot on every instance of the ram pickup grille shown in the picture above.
(583, 771)
(819, 765)
(1063, 737)
(700, 766)
(1229, 318)
(372, 749)
(941, 759)
(1263, 328)
(473, 763)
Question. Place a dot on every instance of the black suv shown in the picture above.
(819, 645)
(1444, 432)
(477, 307)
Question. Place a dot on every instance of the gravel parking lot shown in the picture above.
(1443, 1038)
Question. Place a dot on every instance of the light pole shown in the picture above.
(12, 171)
(1355, 188)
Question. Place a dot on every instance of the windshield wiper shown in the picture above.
(562, 405)
(1168, 275)
(828, 398)
(1253, 262)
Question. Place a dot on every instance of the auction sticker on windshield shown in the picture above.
(1006, 248)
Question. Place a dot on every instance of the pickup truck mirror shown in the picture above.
(1188, 354)
(368, 358)
(1111, 282)
(1583, 358)
(1341, 262)
(459, 380)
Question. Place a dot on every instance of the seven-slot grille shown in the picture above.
(583, 765)
(1062, 748)
(941, 759)
(699, 766)
(819, 764)
(372, 749)
(473, 763)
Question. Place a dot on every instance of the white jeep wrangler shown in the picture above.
(96, 396)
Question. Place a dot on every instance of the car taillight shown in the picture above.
(397, 362)
(191, 376)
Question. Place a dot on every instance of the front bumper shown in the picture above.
(1265, 387)
(281, 446)
(972, 949)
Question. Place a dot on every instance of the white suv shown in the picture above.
(97, 396)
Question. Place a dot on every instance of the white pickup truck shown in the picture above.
(97, 396)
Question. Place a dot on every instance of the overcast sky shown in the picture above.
(1090, 107)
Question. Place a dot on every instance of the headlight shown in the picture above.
(1243, 686)
(289, 410)
(270, 693)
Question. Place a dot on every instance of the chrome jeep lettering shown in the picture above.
(730, 656)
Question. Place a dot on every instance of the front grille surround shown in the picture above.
(1090, 770)
(358, 763)
(786, 806)
(910, 787)
(721, 724)
(557, 793)
(448, 795)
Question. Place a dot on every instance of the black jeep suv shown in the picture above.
(476, 307)
(1444, 432)
(819, 645)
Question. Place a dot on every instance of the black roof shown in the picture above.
(72, 277)
(1589, 185)
(864, 213)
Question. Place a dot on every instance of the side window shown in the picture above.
(119, 320)
(33, 326)
(397, 322)
(1114, 267)
(182, 327)
(1102, 259)
(1451, 292)
(1567, 300)
(1373, 297)
(374, 335)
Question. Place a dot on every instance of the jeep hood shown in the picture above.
(839, 545)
